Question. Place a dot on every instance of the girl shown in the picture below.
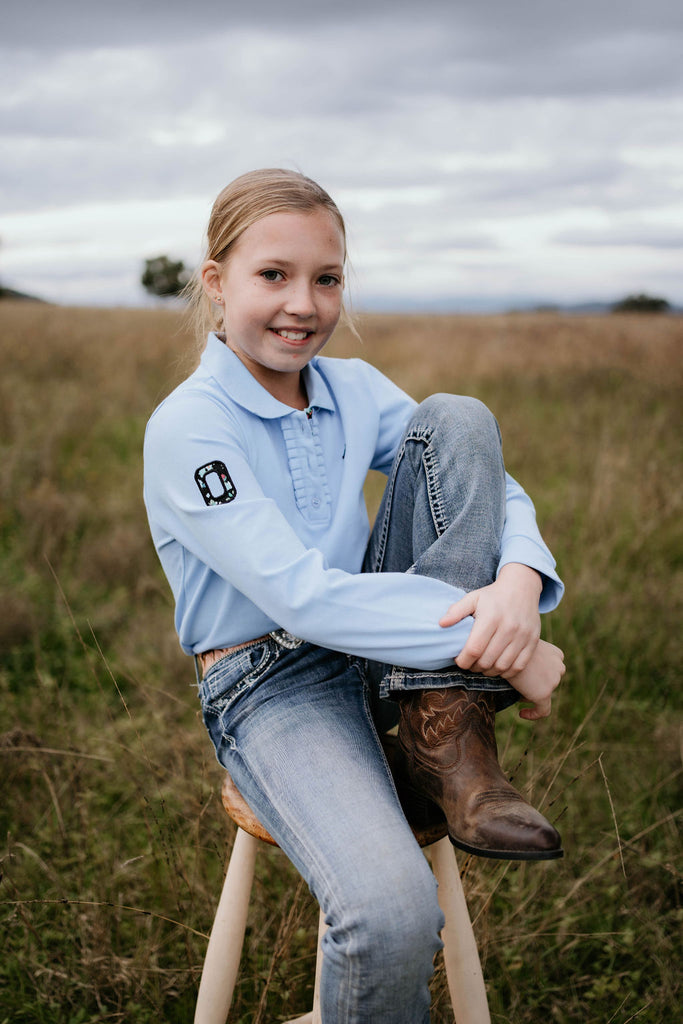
(302, 627)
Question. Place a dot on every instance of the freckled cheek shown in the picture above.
(260, 317)
(331, 307)
(335, 312)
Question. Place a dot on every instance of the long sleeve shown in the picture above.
(246, 541)
(258, 517)
(522, 542)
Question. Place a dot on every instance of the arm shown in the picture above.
(537, 681)
(244, 551)
(505, 638)
(521, 542)
(507, 623)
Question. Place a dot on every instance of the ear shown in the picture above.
(211, 281)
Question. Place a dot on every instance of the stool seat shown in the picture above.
(426, 829)
(221, 965)
(241, 813)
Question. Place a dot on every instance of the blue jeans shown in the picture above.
(296, 727)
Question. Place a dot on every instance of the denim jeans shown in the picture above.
(441, 515)
(295, 726)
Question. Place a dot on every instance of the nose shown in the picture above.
(299, 300)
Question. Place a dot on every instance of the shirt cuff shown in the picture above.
(526, 552)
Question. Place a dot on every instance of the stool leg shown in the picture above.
(461, 957)
(313, 1017)
(322, 928)
(223, 953)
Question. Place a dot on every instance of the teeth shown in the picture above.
(293, 335)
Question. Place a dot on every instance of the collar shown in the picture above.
(235, 379)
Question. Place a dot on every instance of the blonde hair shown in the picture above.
(244, 201)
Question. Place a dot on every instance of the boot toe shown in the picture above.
(511, 836)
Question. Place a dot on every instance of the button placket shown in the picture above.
(307, 466)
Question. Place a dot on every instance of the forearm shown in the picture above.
(522, 543)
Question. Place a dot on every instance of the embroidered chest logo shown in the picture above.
(214, 483)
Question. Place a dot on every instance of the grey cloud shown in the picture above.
(350, 159)
(430, 124)
(456, 242)
(565, 183)
(75, 23)
(569, 181)
(422, 234)
(491, 48)
(633, 235)
(626, 65)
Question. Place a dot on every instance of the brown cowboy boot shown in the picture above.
(447, 752)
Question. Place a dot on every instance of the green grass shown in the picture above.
(114, 842)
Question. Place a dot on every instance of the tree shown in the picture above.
(641, 304)
(164, 277)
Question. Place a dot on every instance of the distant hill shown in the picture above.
(10, 293)
(579, 308)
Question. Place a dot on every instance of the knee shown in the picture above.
(459, 418)
(455, 408)
(396, 922)
(413, 921)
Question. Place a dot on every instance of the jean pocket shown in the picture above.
(233, 674)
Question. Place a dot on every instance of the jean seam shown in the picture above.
(368, 712)
(423, 436)
(434, 492)
(398, 672)
(216, 704)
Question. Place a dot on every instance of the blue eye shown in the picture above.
(328, 280)
(271, 275)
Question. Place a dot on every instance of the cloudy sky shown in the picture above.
(485, 153)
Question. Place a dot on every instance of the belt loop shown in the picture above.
(196, 668)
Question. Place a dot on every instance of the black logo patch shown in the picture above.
(214, 483)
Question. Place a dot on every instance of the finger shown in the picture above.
(493, 655)
(541, 709)
(504, 659)
(506, 653)
(520, 659)
(476, 646)
(558, 653)
(460, 610)
(491, 673)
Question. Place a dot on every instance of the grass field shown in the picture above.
(114, 842)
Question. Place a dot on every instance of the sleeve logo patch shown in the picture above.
(214, 483)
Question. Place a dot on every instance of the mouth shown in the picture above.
(295, 337)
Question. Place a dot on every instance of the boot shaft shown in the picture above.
(448, 725)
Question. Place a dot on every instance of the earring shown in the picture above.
(218, 299)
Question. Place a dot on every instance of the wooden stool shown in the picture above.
(221, 964)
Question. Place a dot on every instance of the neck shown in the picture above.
(289, 392)
(288, 388)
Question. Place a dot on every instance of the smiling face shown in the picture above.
(281, 292)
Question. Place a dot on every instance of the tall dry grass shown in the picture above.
(114, 841)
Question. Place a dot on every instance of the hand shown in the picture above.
(539, 679)
(507, 625)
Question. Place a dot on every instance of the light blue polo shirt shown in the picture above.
(257, 514)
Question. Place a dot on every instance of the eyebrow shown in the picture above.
(288, 263)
